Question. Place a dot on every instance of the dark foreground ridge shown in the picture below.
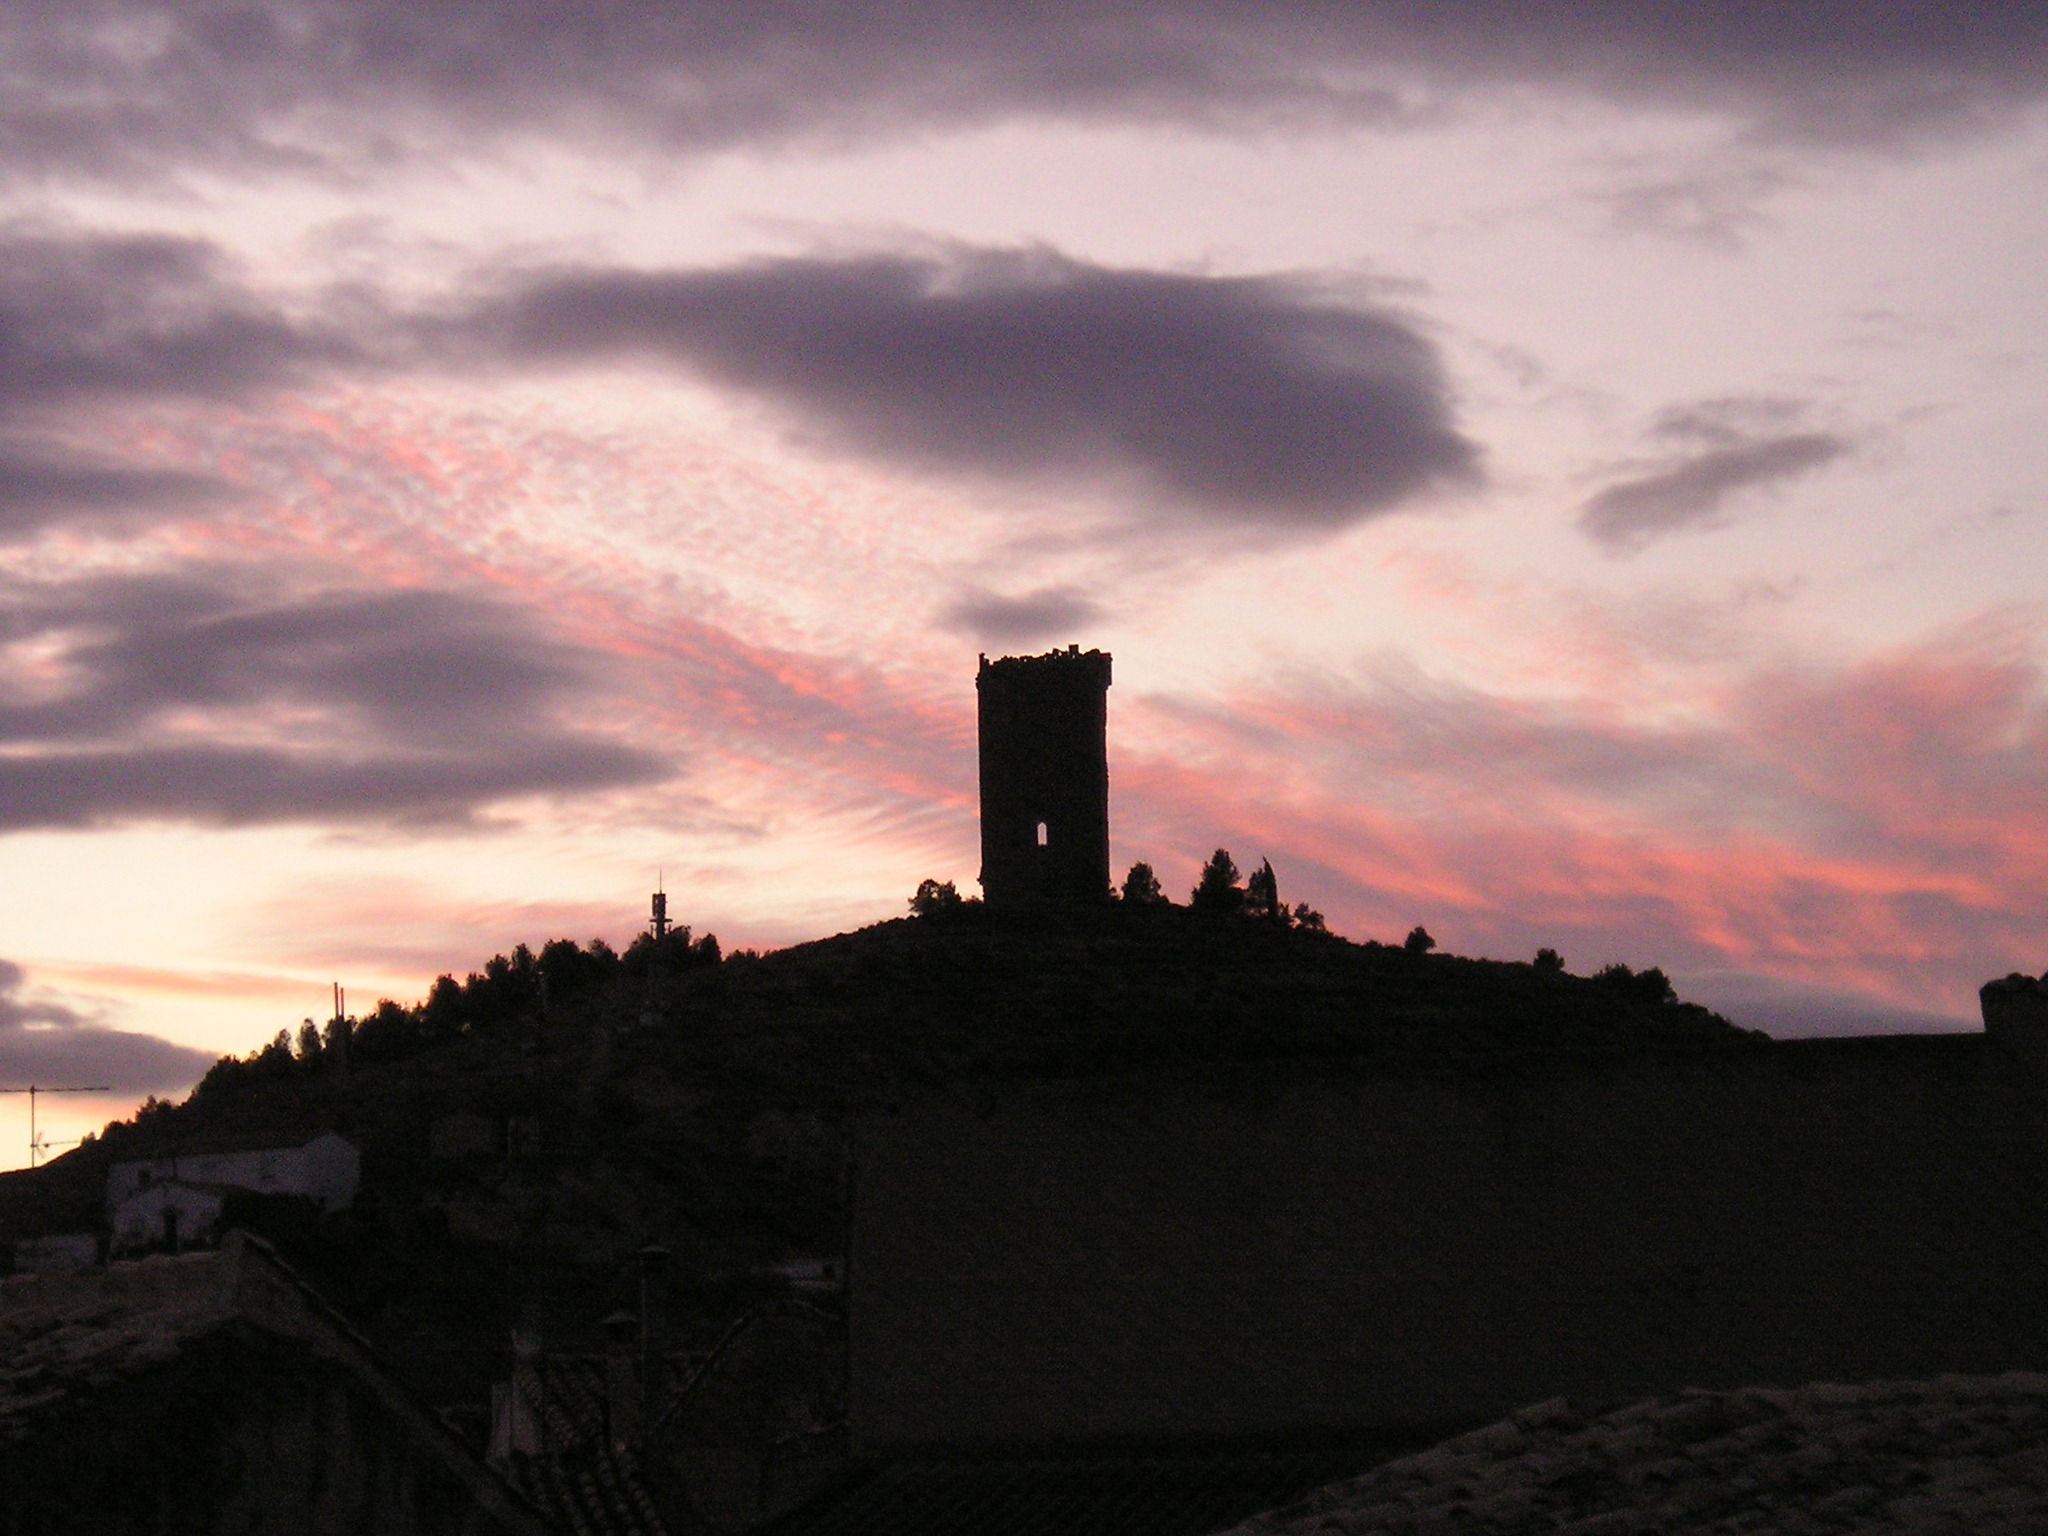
(1108, 1183)
(524, 1133)
(1959, 1453)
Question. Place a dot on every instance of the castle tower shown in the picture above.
(1044, 779)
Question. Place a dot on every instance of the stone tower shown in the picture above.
(1044, 779)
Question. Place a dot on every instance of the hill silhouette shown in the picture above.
(527, 1131)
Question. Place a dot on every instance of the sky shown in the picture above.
(1562, 473)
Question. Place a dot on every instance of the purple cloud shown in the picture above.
(1246, 400)
(1021, 620)
(124, 88)
(412, 706)
(157, 316)
(40, 488)
(1257, 401)
(48, 1042)
(1723, 448)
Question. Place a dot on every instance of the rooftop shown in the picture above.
(1958, 1453)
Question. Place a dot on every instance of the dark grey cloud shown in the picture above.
(192, 698)
(157, 316)
(57, 1045)
(40, 488)
(1253, 400)
(1790, 1011)
(1720, 449)
(1021, 620)
(123, 88)
(125, 321)
(1250, 399)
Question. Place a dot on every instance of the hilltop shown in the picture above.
(526, 1131)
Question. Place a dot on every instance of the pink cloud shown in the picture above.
(1878, 826)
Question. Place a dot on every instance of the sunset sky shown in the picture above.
(1563, 472)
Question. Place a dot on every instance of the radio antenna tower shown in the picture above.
(659, 923)
(36, 1144)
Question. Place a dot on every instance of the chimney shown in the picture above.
(515, 1425)
(622, 1378)
(653, 1328)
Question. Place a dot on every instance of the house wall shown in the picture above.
(1281, 1256)
(328, 1169)
(138, 1222)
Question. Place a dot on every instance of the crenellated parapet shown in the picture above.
(2016, 1009)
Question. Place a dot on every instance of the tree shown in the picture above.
(1549, 962)
(1651, 986)
(447, 1011)
(1262, 895)
(392, 1031)
(934, 898)
(1306, 916)
(1141, 887)
(1218, 890)
(275, 1059)
(1418, 941)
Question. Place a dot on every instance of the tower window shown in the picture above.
(1041, 834)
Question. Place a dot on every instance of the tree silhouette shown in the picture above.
(1418, 941)
(1141, 887)
(1218, 890)
(1651, 986)
(1549, 962)
(1262, 895)
(934, 898)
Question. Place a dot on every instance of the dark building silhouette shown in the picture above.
(1277, 1256)
(1044, 779)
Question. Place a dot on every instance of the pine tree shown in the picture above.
(1141, 887)
(1219, 890)
(1262, 895)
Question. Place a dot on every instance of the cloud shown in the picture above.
(148, 316)
(123, 88)
(1790, 1011)
(1723, 449)
(126, 321)
(1718, 207)
(39, 489)
(1023, 619)
(1244, 400)
(192, 697)
(1252, 401)
(56, 1044)
(1878, 826)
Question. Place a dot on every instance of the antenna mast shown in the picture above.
(36, 1144)
(659, 923)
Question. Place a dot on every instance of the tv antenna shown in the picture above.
(36, 1143)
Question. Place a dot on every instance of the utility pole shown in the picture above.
(337, 1033)
(35, 1142)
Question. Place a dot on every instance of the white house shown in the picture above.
(194, 1185)
(169, 1213)
(327, 1169)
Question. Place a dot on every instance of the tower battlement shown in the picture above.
(1044, 733)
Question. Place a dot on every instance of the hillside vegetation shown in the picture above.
(526, 1131)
